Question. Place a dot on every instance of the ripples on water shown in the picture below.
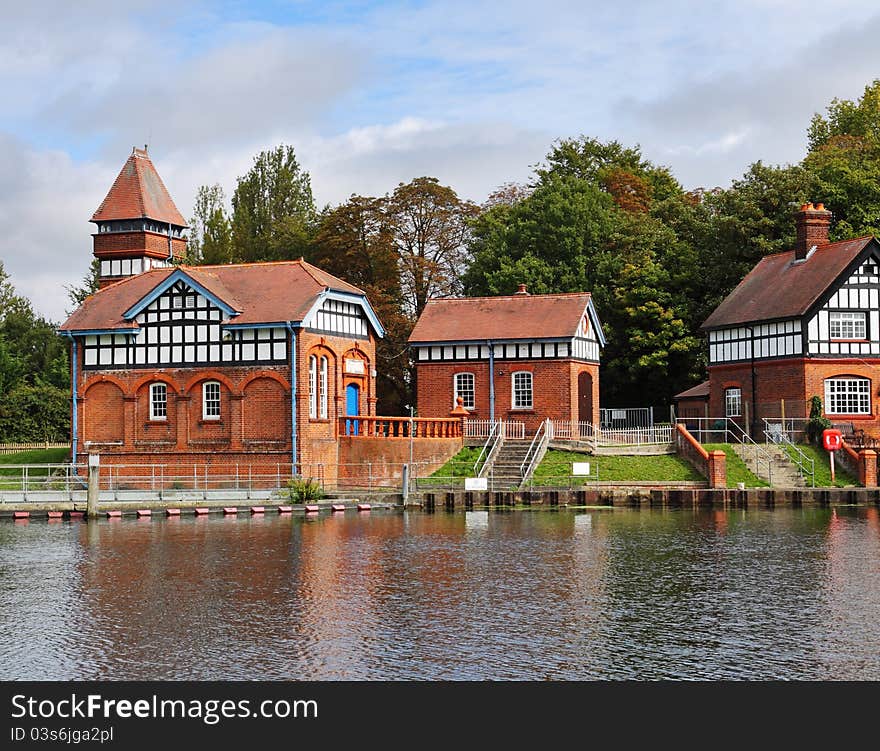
(540, 595)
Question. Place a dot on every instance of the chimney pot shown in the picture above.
(522, 290)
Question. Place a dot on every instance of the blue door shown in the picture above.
(352, 407)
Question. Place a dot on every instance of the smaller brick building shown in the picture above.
(516, 357)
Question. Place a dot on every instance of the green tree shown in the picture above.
(430, 226)
(210, 234)
(273, 211)
(88, 286)
(355, 241)
(844, 160)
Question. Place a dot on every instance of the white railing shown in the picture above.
(490, 449)
(565, 430)
(511, 429)
(537, 449)
(16, 448)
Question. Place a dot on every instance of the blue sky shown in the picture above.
(374, 93)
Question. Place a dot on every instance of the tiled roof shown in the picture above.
(139, 192)
(262, 292)
(695, 392)
(507, 317)
(779, 288)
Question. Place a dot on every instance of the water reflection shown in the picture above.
(558, 595)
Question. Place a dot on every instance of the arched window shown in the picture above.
(313, 387)
(463, 386)
(322, 388)
(733, 402)
(211, 400)
(158, 401)
(522, 390)
(847, 395)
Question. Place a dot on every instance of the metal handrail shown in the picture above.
(804, 463)
(542, 437)
(732, 433)
(496, 435)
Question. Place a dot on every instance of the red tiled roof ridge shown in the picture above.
(514, 295)
(320, 278)
(823, 246)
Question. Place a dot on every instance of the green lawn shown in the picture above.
(822, 466)
(39, 456)
(655, 468)
(737, 472)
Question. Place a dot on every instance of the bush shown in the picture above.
(304, 489)
(817, 423)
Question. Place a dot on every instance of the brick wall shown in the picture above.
(555, 389)
(388, 455)
(120, 243)
(255, 418)
(796, 380)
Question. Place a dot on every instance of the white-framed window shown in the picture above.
(847, 396)
(522, 390)
(158, 401)
(211, 400)
(322, 389)
(313, 387)
(733, 402)
(463, 386)
(846, 324)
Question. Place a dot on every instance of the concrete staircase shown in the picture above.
(505, 471)
(783, 471)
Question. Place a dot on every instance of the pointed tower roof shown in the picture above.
(139, 192)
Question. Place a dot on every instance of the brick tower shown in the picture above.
(139, 227)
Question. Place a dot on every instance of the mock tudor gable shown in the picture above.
(523, 357)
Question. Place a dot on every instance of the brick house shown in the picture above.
(518, 357)
(802, 323)
(256, 363)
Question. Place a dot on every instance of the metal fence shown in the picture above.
(626, 418)
(67, 479)
(565, 430)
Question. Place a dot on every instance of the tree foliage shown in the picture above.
(273, 211)
(34, 372)
(210, 231)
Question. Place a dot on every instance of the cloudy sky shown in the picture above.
(371, 94)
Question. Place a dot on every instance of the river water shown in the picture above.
(787, 593)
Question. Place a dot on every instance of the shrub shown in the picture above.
(304, 489)
(817, 422)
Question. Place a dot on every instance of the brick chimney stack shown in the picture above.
(812, 228)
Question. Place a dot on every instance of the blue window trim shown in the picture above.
(170, 281)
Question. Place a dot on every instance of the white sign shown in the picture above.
(94, 460)
(354, 366)
(476, 483)
(580, 468)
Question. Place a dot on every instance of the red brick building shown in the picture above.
(802, 323)
(175, 363)
(518, 357)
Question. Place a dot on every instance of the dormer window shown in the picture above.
(846, 324)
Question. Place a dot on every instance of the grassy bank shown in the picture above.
(737, 471)
(622, 469)
(37, 456)
(843, 476)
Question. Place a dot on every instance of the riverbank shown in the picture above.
(128, 503)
